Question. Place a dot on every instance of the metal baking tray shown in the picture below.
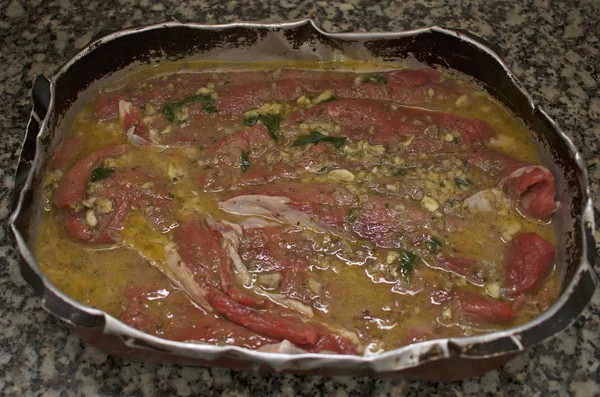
(56, 100)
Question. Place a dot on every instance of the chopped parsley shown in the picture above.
(379, 79)
(460, 182)
(400, 172)
(252, 120)
(316, 137)
(433, 244)
(101, 173)
(352, 216)
(207, 103)
(407, 260)
(245, 161)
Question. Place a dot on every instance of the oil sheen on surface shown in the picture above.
(295, 211)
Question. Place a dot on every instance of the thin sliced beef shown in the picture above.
(73, 186)
(64, 154)
(529, 260)
(530, 186)
(174, 317)
(474, 308)
(201, 249)
(461, 266)
(390, 222)
(309, 335)
(111, 201)
(406, 129)
(72, 191)
(314, 206)
(260, 167)
(242, 91)
(270, 250)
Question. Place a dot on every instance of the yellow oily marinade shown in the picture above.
(355, 206)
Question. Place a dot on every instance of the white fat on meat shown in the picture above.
(257, 223)
(231, 243)
(231, 233)
(487, 200)
(179, 274)
(285, 346)
(524, 170)
(276, 208)
(126, 108)
(284, 301)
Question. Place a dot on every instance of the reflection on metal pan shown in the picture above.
(55, 101)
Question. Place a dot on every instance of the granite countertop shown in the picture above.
(552, 46)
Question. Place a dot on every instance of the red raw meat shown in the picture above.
(125, 189)
(175, 317)
(64, 154)
(478, 309)
(530, 186)
(388, 221)
(200, 247)
(529, 260)
(242, 91)
(73, 186)
(380, 124)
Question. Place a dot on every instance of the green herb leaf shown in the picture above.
(316, 137)
(400, 172)
(272, 122)
(379, 79)
(245, 161)
(433, 244)
(207, 103)
(459, 182)
(101, 173)
(250, 121)
(352, 215)
(407, 260)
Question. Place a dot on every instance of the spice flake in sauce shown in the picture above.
(340, 208)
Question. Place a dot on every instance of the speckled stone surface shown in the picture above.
(552, 46)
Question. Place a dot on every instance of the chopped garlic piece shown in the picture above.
(377, 149)
(149, 109)
(462, 101)
(509, 229)
(174, 172)
(267, 108)
(269, 280)
(52, 177)
(429, 204)
(493, 290)
(408, 141)
(430, 93)
(204, 91)
(341, 175)
(90, 218)
(324, 96)
(314, 286)
(104, 206)
(502, 141)
(391, 257)
(448, 137)
(303, 101)
(447, 313)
